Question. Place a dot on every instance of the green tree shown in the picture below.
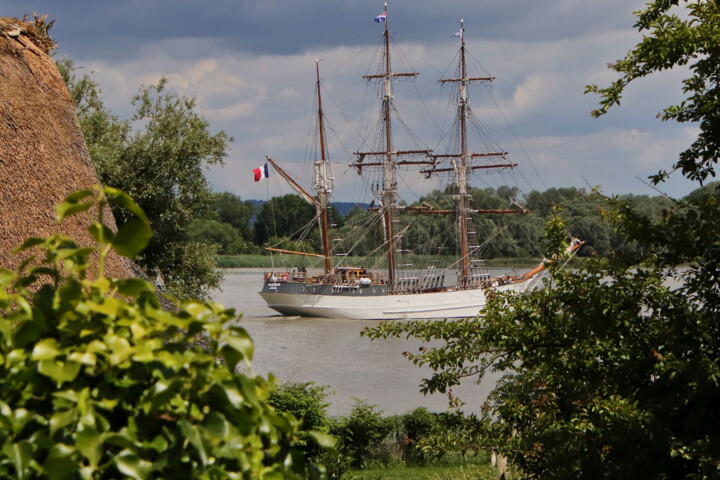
(359, 234)
(363, 435)
(613, 370)
(430, 234)
(287, 216)
(98, 381)
(158, 157)
(233, 210)
(105, 134)
(227, 239)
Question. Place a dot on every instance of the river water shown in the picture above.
(331, 352)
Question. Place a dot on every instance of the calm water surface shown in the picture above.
(331, 352)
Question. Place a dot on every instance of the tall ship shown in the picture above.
(398, 290)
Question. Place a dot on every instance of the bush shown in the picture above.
(98, 381)
(364, 435)
(417, 425)
(306, 402)
(457, 434)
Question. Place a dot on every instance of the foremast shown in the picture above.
(322, 184)
(389, 159)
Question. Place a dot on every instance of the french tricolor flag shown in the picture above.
(381, 18)
(261, 172)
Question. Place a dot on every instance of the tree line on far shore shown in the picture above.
(237, 227)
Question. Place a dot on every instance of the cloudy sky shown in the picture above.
(249, 64)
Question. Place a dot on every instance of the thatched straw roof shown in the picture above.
(43, 156)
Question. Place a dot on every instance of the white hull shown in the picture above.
(427, 305)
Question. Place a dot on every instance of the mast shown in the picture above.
(389, 191)
(461, 168)
(389, 159)
(322, 185)
(461, 165)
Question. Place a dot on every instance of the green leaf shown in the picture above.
(61, 419)
(323, 439)
(132, 287)
(232, 393)
(79, 254)
(132, 237)
(108, 307)
(248, 388)
(27, 333)
(46, 349)
(273, 475)
(101, 233)
(77, 196)
(130, 464)
(216, 425)
(60, 464)
(29, 243)
(159, 444)
(20, 454)
(61, 372)
(20, 418)
(6, 276)
(124, 200)
(89, 444)
(239, 339)
(192, 434)
(120, 349)
(231, 356)
(85, 358)
(71, 205)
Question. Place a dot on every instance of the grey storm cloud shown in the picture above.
(121, 28)
(248, 63)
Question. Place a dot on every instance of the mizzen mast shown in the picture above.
(461, 165)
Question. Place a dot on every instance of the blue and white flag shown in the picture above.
(458, 34)
(381, 18)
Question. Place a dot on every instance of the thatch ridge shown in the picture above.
(36, 32)
(43, 156)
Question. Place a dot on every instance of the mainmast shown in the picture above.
(322, 185)
(389, 191)
(389, 158)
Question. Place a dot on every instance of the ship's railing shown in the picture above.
(415, 281)
(352, 278)
(296, 275)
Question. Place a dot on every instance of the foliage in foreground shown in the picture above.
(611, 373)
(613, 370)
(98, 381)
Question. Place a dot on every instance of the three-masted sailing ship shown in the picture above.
(357, 292)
